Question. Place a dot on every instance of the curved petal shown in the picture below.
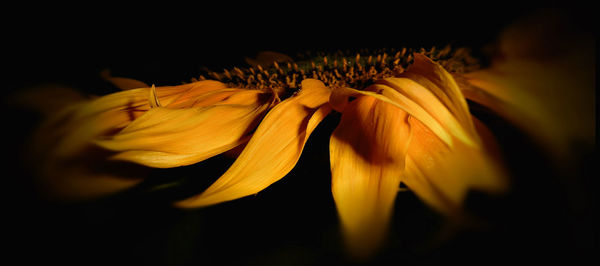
(544, 83)
(367, 152)
(108, 114)
(274, 148)
(432, 105)
(165, 137)
(62, 152)
(440, 83)
(382, 92)
(441, 176)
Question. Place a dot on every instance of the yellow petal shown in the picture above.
(274, 148)
(430, 86)
(137, 99)
(440, 83)
(108, 114)
(165, 137)
(367, 158)
(442, 176)
(387, 94)
(544, 83)
(434, 107)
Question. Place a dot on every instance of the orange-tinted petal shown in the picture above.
(430, 86)
(442, 176)
(108, 114)
(274, 148)
(440, 83)
(367, 152)
(165, 137)
(385, 93)
(542, 81)
(62, 151)
(434, 107)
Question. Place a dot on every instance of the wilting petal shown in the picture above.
(543, 81)
(441, 175)
(274, 148)
(367, 152)
(165, 137)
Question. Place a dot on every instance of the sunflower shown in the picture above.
(405, 120)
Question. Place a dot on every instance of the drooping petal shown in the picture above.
(440, 83)
(63, 157)
(434, 107)
(430, 86)
(385, 93)
(442, 176)
(165, 137)
(274, 148)
(109, 114)
(543, 81)
(367, 152)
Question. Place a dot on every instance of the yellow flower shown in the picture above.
(414, 128)
(404, 119)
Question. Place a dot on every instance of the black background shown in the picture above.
(293, 222)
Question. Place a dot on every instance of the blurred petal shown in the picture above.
(46, 99)
(107, 115)
(165, 137)
(543, 81)
(274, 148)
(63, 156)
(367, 152)
(85, 179)
(122, 83)
(441, 176)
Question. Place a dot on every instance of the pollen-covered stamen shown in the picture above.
(357, 69)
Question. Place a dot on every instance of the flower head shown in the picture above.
(405, 119)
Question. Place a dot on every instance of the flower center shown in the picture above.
(355, 69)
